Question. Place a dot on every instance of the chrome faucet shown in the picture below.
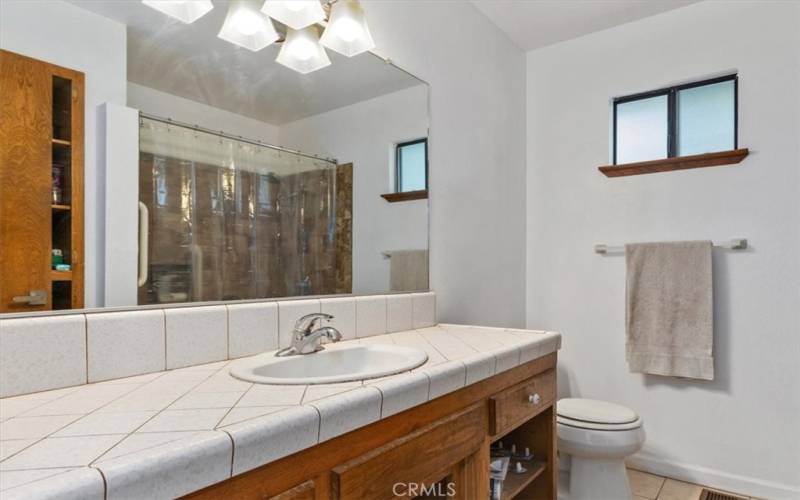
(306, 339)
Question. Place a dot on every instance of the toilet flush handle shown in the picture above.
(534, 399)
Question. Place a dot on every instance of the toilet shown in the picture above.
(596, 437)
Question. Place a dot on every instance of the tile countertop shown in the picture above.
(166, 434)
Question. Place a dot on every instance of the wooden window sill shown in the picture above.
(406, 196)
(680, 163)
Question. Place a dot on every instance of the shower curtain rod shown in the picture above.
(239, 138)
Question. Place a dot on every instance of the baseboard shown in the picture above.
(713, 478)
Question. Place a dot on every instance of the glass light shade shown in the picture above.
(246, 27)
(302, 52)
(347, 32)
(187, 11)
(296, 14)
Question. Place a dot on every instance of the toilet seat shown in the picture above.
(597, 437)
(579, 424)
(596, 415)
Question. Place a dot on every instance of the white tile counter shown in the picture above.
(165, 434)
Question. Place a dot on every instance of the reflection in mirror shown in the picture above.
(231, 173)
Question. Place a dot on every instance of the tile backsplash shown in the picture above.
(121, 344)
(41, 353)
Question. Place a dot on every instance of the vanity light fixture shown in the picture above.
(296, 14)
(187, 11)
(347, 32)
(247, 27)
(302, 52)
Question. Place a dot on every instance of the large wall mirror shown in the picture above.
(256, 174)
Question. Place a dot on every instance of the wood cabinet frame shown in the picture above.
(27, 153)
(319, 463)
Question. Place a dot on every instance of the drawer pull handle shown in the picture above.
(534, 399)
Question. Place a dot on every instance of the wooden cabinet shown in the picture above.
(423, 458)
(521, 402)
(440, 449)
(41, 184)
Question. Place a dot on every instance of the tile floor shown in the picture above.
(647, 486)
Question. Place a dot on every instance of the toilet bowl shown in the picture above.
(597, 436)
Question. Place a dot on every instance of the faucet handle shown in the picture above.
(306, 323)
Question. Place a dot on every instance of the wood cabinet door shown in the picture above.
(25, 187)
(423, 458)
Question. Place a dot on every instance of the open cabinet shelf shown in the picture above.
(515, 483)
(539, 480)
(67, 183)
(41, 184)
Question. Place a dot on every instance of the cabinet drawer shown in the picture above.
(424, 457)
(520, 402)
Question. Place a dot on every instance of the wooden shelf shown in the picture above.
(61, 142)
(405, 196)
(515, 483)
(61, 275)
(679, 163)
(62, 207)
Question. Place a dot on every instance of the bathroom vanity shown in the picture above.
(199, 432)
(443, 444)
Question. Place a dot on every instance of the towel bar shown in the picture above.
(737, 244)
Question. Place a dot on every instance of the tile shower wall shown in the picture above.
(219, 233)
(42, 353)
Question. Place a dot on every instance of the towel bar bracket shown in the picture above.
(736, 244)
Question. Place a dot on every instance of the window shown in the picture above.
(411, 159)
(684, 120)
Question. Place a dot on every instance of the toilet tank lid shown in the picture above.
(595, 411)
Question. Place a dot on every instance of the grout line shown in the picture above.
(227, 332)
(157, 412)
(380, 410)
(188, 434)
(230, 409)
(70, 469)
(303, 396)
(86, 346)
(355, 319)
(166, 355)
(385, 315)
(39, 440)
(661, 486)
(413, 326)
(319, 421)
(278, 409)
(105, 481)
(233, 448)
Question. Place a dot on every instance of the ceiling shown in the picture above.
(535, 23)
(189, 61)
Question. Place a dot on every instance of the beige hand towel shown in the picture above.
(408, 271)
(670, 309)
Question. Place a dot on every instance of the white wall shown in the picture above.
(66, 35)
(477, 152)
(740, 431)
(365, 134)
(166, 105)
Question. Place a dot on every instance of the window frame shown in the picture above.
(672, 111)
(398, 170)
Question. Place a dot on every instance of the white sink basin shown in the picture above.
(339, 364)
